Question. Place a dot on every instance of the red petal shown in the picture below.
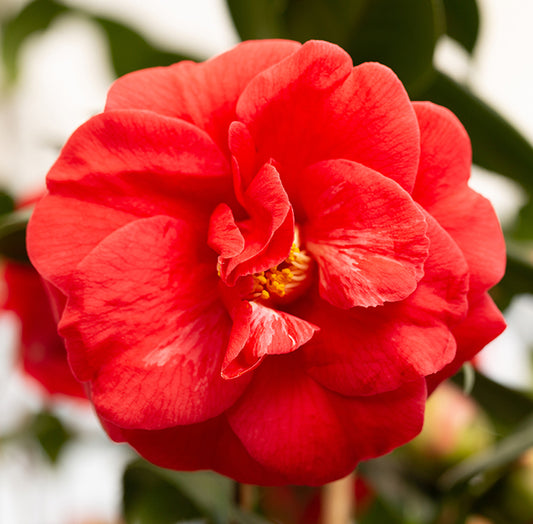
(268, 233)
(204, 94)
(146, 326)
(206, 445)
(374, 350)
(259, 331)
(136, 154)
(483, 324)
(42, 350)
(62, 231)
(441, 187)
(314, 106)
(365, 232)
(224, 235)
(292, 425)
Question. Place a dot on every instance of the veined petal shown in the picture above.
(146, 327)
(315, 106)
(441, 188)
(125, 157)
(204, 94)
(259, 331)
(365, 232)
(374, 350)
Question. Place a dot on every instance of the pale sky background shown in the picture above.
(63, 81)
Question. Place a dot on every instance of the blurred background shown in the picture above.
(474, 459)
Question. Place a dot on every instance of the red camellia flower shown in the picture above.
(262, 261)
(41, 351)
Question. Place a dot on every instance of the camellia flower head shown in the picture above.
(266, 260)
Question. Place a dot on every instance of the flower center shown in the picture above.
(285, 279)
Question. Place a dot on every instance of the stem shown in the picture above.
(244, 496)
(338, 501)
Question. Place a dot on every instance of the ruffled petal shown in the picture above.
(145, 325)
(127, 157)
(259, 331)
(365, 232)
(268, 232)
(204, 94)
(374, 350)
(288, 422)
(441, 188)
(315, 106)
(483, 324)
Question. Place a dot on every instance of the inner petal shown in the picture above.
(365, 232)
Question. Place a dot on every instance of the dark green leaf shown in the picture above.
(130, 51)
(518, 277)
(259, 18)
(175, 495)
(50, 433)
(148, 497)
(401, 34)
(13, 236)
(496, 144)
(462, 22)
(7, 204)
(36, 16)
(523, 228)
(506, 407)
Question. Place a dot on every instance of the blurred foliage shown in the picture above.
(50, 432)
(403, 34)
(128, 50)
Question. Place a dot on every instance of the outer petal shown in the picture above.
(314, 106)
(374, 350)
(259, 331)
(441, 187)
(145, 326)
(288, 423)
(365, 232)
(204, 94)
(140, 153)
(62, 231)
(206, 445)
(483, 324)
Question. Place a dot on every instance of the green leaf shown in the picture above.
(502, 454)
(50, 433)
(505, 406)
(36, 16)
(153, 494)
(496, 144)
(258, 18)
(7, 204)
(149, 497)
(401, 34)
(523, 227)
(462, 22)
(518, 276)
(13, 235)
